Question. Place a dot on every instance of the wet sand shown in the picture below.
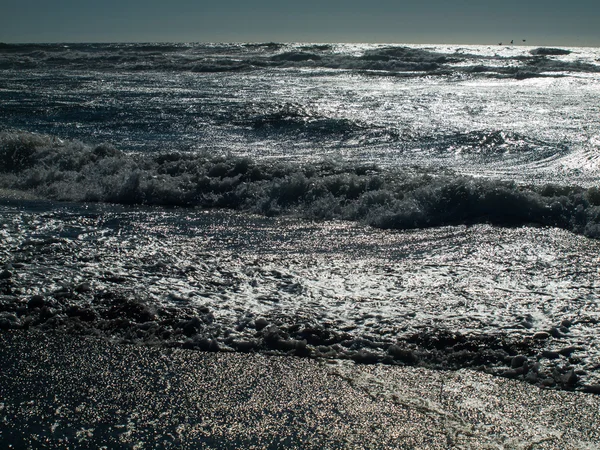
(62, 391)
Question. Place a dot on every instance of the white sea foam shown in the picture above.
(515, 301)
(72, 171)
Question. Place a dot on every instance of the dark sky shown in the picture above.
(547, 22)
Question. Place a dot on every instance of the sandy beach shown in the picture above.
(61, 391)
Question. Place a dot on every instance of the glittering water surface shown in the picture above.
(503, 111)
(59, 389)
(334, 289)
(294, 164)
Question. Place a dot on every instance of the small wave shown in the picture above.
(519, 72)
(293, 118)
(303, 122)
(274, 46)
(545, 51)
(28, 48)
(403, 59)
(159, 47)
(389, 60)
(317, 47)
(497, 144)
(407, 54)
(295, 57)
(397, 199)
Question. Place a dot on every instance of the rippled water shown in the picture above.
(501, 111)
(450, 297)
(414, 205)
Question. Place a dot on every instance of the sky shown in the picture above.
(540, 22)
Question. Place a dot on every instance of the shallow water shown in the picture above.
(444, 297)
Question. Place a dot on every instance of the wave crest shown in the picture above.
(293, 117)
(398, 199)
(548, 51)
(395, 60)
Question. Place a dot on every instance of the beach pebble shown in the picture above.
(62, 294)
(527, 324)
(548, 382)
(36, 301)
(146, 326)
(5, 275)
(83, 288)
(511, 373)
(8, 321)
(260, 323)
(9, 316)
(567, 351)
(47, 312)
(531, 377)
(208, 345)
(570, 378)
(241, 326)
(555, 332)
(541, 336)
(518, 361)
(550, 354)
(566, 323)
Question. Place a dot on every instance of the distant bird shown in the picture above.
(511, 41)
(524, 40)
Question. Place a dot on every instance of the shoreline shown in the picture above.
(61, 390)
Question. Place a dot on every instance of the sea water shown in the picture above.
(434, 206)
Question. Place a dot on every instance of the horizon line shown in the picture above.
(266, 42)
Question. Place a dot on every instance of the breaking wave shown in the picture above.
(399, 60)
(50, 168)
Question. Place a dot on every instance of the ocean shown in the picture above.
(435, 206)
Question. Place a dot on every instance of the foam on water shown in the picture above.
(399, 199)
(506, 301)
(419, 205)
(535, 130)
